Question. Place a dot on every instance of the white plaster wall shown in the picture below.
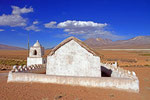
(73, 60)
(105, 82)
(33, 61)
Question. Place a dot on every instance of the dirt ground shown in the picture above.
(39, 91)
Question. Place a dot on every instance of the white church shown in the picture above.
(72, 62)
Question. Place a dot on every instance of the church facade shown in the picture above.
(73, 58)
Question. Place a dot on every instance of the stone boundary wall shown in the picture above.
(102, 82)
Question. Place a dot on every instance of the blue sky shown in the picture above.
(51, 21)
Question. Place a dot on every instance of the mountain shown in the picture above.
(139, 42)
(97, 41)
(7, 47)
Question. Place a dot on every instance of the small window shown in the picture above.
(34, 52)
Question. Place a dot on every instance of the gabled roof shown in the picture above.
(81, 43)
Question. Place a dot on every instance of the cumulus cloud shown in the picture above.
(35, 22)
(18, 11)
(15, 18)
(84, 29)
(51, 24)
(80, 24)
(2, 30)
(12, 20)
(81, 27)
(33, 28)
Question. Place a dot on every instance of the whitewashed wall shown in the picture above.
(105, 82)
(33, 61)
(73, 60)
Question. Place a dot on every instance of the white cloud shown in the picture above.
(15, 19)
(33, 28)
(2, 30)
(12, 20)
(18, 11)
(84, 29)
(35, 22)
(80, 24)
(51, 24)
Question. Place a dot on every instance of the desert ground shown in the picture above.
(138, 61)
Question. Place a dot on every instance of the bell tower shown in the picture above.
(36, 54)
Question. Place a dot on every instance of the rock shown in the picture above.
(133, 73)
(24, 66)
(14, 66)
(16, 70)
(19, 67)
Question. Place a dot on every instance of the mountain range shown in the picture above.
(7, 47)
(139, 42)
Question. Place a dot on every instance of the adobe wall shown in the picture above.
(102, 82)
(73, 60)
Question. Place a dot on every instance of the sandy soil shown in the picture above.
(39, 91)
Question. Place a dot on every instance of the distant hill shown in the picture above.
(7, 47)
(139, 42)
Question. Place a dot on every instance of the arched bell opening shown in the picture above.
(34, 52)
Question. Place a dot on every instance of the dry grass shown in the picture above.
(8, 58)
(126, 58)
